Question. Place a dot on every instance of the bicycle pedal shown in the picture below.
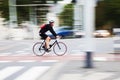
(47, 50)
(50, 46)
(43, 46)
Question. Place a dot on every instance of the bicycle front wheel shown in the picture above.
(38, 49)
(60, 48)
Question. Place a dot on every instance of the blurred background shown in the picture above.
(22, 19)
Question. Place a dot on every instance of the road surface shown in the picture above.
(19, 63)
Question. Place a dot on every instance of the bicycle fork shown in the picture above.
(58, 45)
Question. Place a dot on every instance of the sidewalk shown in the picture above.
(73, 70)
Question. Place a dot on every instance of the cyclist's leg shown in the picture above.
(43, 36)
(47, 41)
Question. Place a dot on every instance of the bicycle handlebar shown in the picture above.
(58, 38)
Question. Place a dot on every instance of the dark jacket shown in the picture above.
(47, 27)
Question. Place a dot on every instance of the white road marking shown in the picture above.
(100, 58)
(33, 73)
(20, 51)
(27, 61)
(4, 73)
(49, 61)
(77, 52)
(5, 61)
(4, 54)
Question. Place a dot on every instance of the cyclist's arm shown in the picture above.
(53, 32)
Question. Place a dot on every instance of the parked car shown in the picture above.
(78, 34)
(97, 34)
(62, 31)
(101, 33)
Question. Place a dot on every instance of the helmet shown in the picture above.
(51, 21)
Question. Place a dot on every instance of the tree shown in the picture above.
(108, 14)
(4, 9)
(100, 15)
(66, 16)
(113, 11)
(22, 12)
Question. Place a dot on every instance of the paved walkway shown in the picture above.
(73, 70)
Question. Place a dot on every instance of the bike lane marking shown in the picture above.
(27, 57)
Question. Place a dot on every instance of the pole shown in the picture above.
(12, 14)
(89, 23)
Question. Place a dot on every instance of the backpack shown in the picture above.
(42, 26)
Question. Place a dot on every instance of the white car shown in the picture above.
(97, 33)
(101, 33)
(79, 34)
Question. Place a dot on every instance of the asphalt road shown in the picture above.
(19, 63)
(23, 47)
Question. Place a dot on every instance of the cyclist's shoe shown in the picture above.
(50, 45)
(47, 50)
(43, 47)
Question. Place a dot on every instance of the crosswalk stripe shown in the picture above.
(33, 73)
(4, 73)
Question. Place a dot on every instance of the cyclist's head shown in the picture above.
(51, 22)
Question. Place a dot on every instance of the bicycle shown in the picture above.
(59, 48)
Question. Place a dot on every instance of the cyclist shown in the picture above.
(42, 33)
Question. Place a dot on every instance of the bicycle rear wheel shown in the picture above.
(38, 49)
(60, 48)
